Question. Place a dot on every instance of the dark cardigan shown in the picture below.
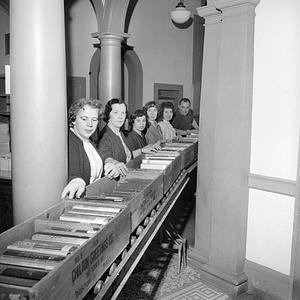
(110, 145)
(135, 140)
(79, 164)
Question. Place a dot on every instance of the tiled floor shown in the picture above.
(156, 278)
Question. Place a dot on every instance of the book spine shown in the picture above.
(32, 255)
(154, 167)
(43, 247)
(103, 198)
(27, 262)
(91, 212)
(156, 161)
(100, 208)
(159, 157)
(44, 237)
(84, 218)
(74, 234)
(17, 281)
(22, 272)
(66, 226)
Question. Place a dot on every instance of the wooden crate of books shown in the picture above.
(186, 152)
(151, 192)
(167, 162)
(49, 258)
(192, 140)
(140, 190)
(188, 155)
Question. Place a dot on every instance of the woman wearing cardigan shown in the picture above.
(113, 145)
(85, 163)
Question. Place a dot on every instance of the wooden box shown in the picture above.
(188, 156)
(80, 270)
(143, 202)
(139, 203)
(172, 172)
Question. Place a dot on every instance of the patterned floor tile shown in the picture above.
(157, 279)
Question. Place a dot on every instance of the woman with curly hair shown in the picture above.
(85, 163)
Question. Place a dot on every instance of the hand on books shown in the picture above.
(111, 171)
(121, 168)
(157, 146)
(74, 189)
(148, 149)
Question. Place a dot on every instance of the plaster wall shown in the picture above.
(275, 130)
(164, 49)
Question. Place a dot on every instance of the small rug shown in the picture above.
(156, 278)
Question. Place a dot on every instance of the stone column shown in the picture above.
(38, 105)
(225, 140)
(110, 77)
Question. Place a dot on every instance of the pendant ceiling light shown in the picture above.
(180, 15)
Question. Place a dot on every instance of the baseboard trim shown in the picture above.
(267, 283)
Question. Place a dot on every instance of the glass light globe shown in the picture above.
(180, 15)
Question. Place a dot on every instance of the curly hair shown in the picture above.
(80, 104)
(108, 107)
(150, 104)
(137, 114)
(162, 107)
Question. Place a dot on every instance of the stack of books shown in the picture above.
(161, 159)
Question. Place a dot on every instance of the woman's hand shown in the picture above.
(148, 149)
(121, 168)
(74, 189)
(111, 171)
(114, 168)
(157, 146)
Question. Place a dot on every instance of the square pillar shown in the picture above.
(225, 142)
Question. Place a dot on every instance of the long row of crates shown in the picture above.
(63, 252)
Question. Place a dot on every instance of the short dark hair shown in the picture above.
(137, 114)
(151, 104)
(108, 107)
(79, 104)
(185, 100)
(164, 105)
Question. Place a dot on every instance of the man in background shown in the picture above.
(183, 121)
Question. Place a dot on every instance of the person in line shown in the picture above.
(136, 138)
(153, 134)
(113, 144)
(85, 163)
(165, 115)
(183, 121)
